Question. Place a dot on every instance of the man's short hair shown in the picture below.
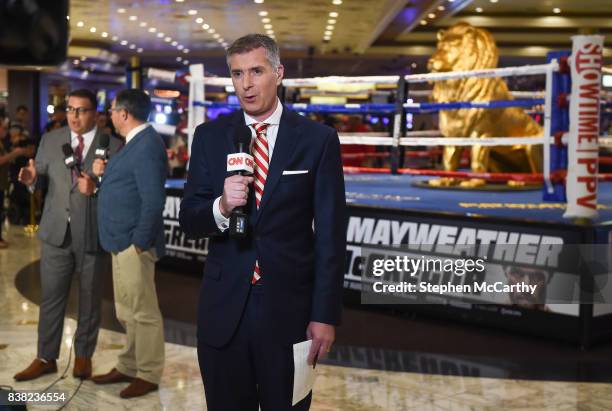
(85, 93)
(134, 101)
(21, 107)
(254, 41)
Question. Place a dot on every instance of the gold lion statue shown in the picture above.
(465, 47)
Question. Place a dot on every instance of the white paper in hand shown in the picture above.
(303, 374)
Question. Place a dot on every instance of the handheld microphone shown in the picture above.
(241, 162)
(69, 159)
(102, 150)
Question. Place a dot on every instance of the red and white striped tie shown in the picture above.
(262, 161)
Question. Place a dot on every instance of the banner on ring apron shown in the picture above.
(583, 146)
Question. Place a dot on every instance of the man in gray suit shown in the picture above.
(69, 237)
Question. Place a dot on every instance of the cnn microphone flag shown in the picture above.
(240, 162)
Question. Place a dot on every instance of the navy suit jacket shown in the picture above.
(298, 235)
(132, 195)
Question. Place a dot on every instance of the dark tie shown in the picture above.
(78, 156)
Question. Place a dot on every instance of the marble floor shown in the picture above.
(337, 388)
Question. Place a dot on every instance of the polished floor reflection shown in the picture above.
(386, 386)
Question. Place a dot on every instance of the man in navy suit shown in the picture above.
(282, 283)
(131, 200)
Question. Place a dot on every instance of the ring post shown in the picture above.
(559, 123)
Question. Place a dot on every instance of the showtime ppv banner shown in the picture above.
(583, 146)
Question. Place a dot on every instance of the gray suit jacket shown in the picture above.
(63, 200)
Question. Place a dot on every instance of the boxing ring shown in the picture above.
(382, 199)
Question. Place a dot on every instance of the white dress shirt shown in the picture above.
(87, 140)
(273, 122)
(135, 131)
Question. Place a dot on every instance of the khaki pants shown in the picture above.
(138, 312)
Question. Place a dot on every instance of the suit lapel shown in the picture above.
(283, 150)
(236, 122)
(88, 160)
(125, 149)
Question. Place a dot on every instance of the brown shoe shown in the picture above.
(82, 368)
(112, 377)
(138, 388)
(36, 369)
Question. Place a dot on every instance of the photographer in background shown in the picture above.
(19, 196)
(6, 157)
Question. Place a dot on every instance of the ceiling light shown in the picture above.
(185, 51)
(192, 12)
(267, 26)
(132, 46)
(168, 39)
(186, 62)
(211, 31)
(270, 32)
(216, 35)
(331, 21)
(152, 29)
(224, 44)
(139, 50)
(328, 33)
(67, 17)
(337, 2)
(80, 24)
(133, 18)
(205, 26)
(263, 13)
(431, 15)
(423, 22)
(326, 38)
(333, 14)
(180, 47)
(75, 61)
(123, 42)
(221, 40)
(265, 20)
(199, 20)
(329, 27)
(413, 65)
(180, 1)
(174, 43)
(179, 58)
(258, 1)
(493, 1)
(556, 10)
(441, 8)
(114, 38)
(143, 24)
(121, 10)
(104, 34)
(478, 9)
(92, 30)
(160, 35)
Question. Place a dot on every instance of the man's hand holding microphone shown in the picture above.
(236, 186)
(87, 185)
